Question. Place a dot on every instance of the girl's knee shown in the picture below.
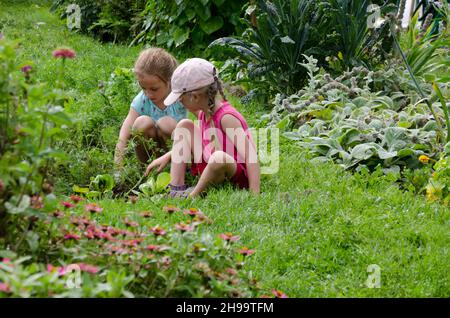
(221, 161)
(185, 123)
(166, 125)
(143, 123)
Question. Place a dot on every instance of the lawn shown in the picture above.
(316, 228)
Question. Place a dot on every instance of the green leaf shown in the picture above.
(363, 151)
(180, 35)
(162, 181)
(13, 206)
(212, 25)
(78, 189)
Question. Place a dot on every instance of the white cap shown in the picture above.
(191, 75)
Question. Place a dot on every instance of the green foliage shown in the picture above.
(425, 53)
(438, 187)
(33, 119)
(272, 49)
(153, 187)
(188, 25)
(342, 120)
(109, 20)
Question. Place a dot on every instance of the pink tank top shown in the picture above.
(208, 132)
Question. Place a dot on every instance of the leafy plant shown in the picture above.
(187, 24)
(153, 187)
(100, 186)
(33, 119)
(272, 48)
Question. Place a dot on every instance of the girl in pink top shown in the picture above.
(220, 147)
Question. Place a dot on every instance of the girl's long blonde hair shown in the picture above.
(156, 61)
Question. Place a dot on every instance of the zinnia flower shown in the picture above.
(170, 209)
(64, 53)
(246, 251)
(71, 236)
(183, 227)
(146, 214)
(58, 214)
(229, 237)
(88, 268)
(193, 212)
(279, 294)
(158, 230)
(75, 198)
(67, 205)
(26, 69)
(93, 208)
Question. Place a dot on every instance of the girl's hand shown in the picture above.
(160, 163)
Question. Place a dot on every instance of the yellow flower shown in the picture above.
(424, 159)
(341, 56)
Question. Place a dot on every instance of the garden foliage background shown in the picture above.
(364, 152)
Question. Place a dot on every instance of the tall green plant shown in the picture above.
(273, 47)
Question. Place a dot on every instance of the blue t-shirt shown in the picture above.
(145, 106)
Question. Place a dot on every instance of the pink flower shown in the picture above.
(64, 53)
(4, 288)
(6, 260)
(193, 212)
(26, 69)
(146, 214)
(75, 198)
(71, 236)
(183, 227)
(88, 268)
(61, 270)
(279, 294)
(131, 223)
(229, 237)
(58, 214)
(158, 231)
(170, 209)
(93, 208)
(246, 251)
(67, 205)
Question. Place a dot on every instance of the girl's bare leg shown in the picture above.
(187, 142)
(146, 126)
(220, 166)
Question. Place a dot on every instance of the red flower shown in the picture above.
(67, 205)
(229, 237)
(4, 288)
(71, 236)
(193, 212)
(279, 294)
(93, 208)
(158, 230)
(183, 227)
(245, 251)
(146, 214)
(75, 198)
(26, 69)
(170, 209)
(37, 202)
(64, 53)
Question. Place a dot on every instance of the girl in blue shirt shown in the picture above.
(148, 115)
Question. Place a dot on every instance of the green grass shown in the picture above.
(315, 227)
